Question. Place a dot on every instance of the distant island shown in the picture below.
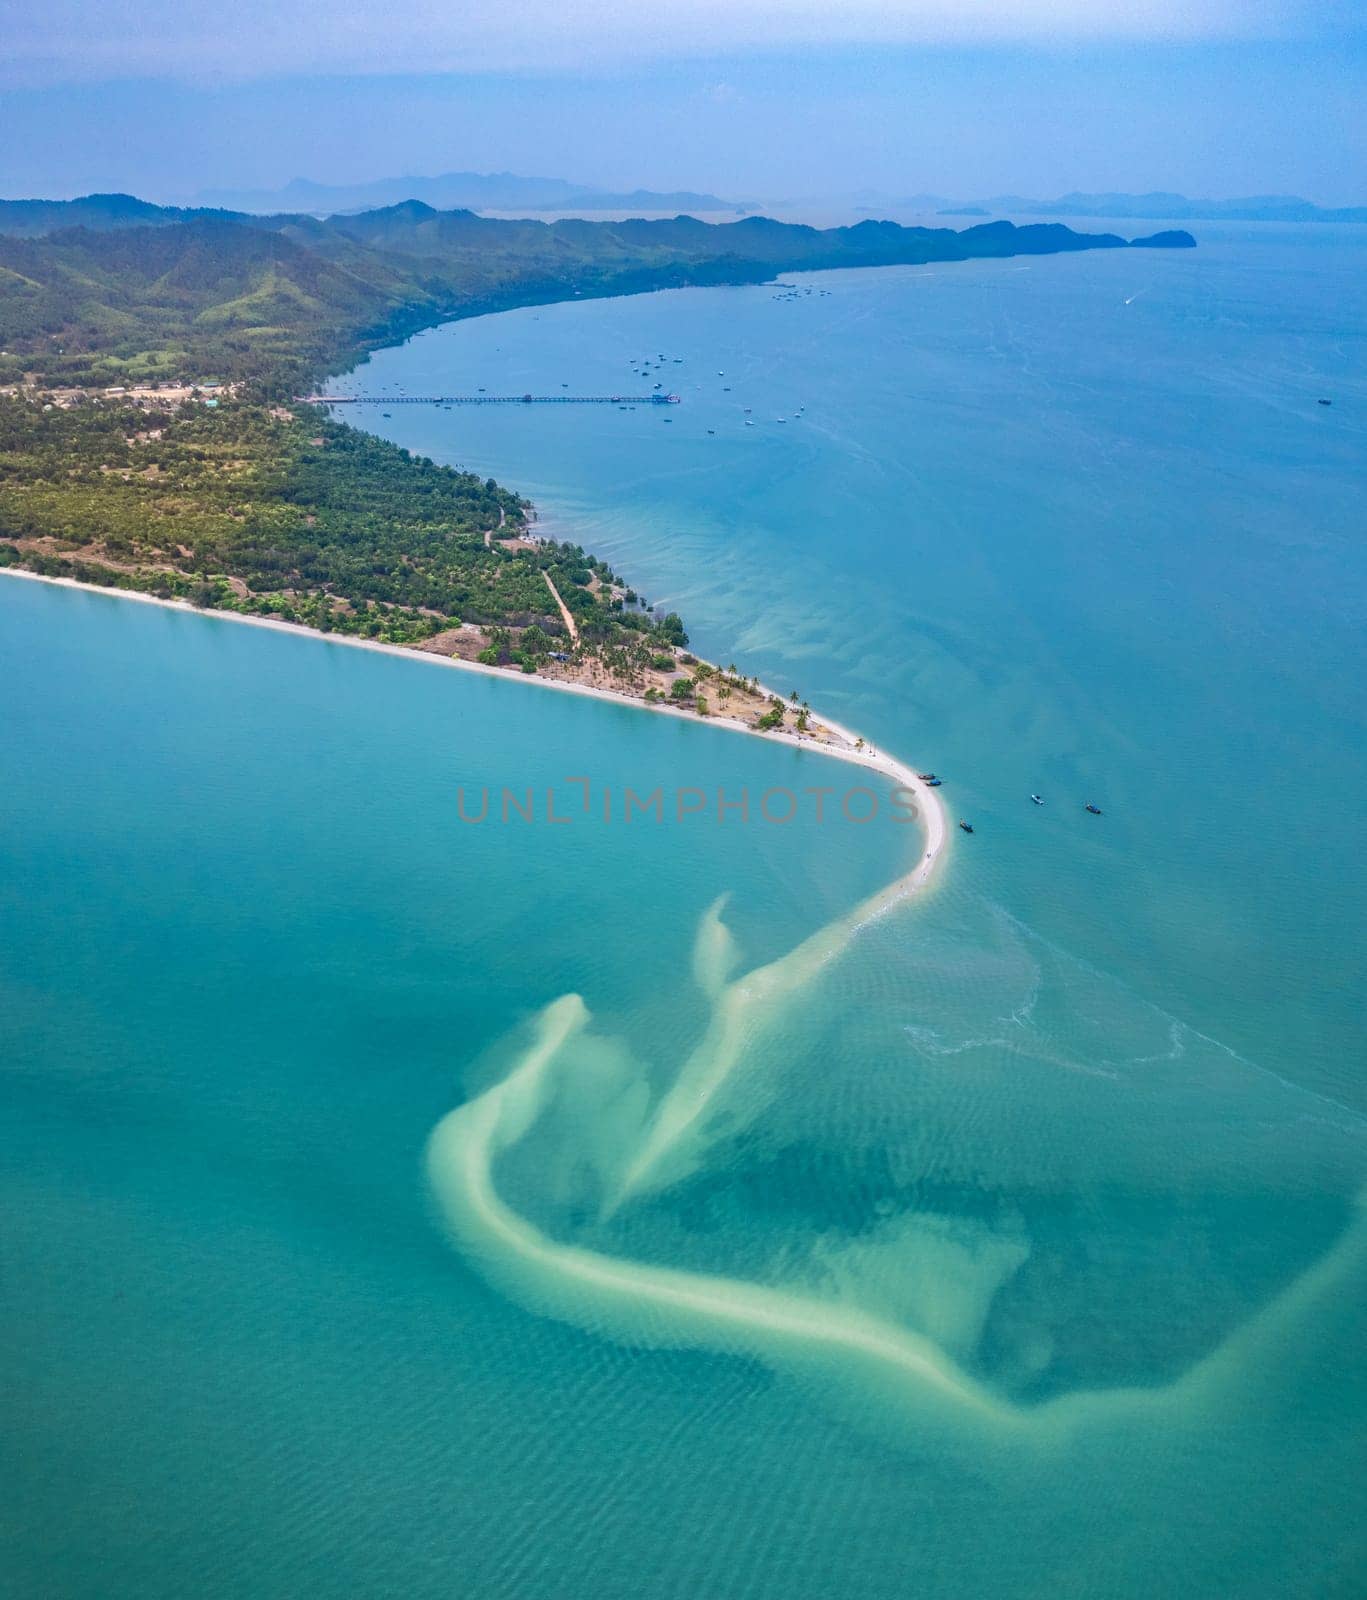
(1161, 207)
(153, 437)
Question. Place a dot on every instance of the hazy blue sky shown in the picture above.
(750, 98)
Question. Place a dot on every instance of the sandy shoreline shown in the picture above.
(931, 811)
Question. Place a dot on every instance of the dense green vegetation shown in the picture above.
(257, 504)
(247, 507)
(207, 299)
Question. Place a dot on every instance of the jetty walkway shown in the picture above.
(488, 399)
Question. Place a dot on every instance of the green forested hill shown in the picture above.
(192, 300)
(139, 296)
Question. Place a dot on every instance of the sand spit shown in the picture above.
(849, 746)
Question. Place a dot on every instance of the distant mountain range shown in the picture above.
(472, 191)
(506, 191)
(1158, 206)
(104, 212)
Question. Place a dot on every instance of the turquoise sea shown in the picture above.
(395, 1205)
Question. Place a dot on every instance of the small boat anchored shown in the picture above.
(1038, 799)
(966, 826)
(1095, 810)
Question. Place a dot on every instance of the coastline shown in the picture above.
(930, 811)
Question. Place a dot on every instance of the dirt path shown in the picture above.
(564, 609)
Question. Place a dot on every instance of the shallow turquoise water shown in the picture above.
(1075, 525)
(1003, 1244)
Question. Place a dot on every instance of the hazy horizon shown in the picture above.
(809, 205)
(785, 101)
